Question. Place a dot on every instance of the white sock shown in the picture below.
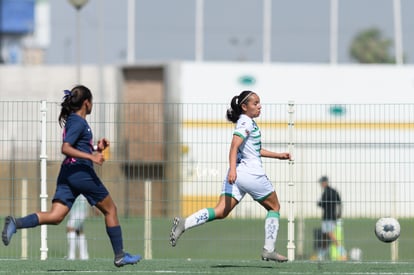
(71, 236)
(271, 229)
(199, 218)
(83, 247)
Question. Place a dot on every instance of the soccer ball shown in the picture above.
(355, 254)
(387, 229)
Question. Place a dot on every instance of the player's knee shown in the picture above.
(273, 207)
(57, 220)
(110, 211)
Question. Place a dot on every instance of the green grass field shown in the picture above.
(228, 247)
(207, 266)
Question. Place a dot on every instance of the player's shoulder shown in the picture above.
(75, 119)
(245, 121)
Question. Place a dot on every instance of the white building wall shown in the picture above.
(369, 162)
(302, 83)
(366, 151)
(20, 133)
(37, 83)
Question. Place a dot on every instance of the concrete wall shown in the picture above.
(48, 82)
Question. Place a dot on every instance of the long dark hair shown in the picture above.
(235, 110)
(72, 102)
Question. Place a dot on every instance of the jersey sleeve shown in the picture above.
(243, 128)
(72, 132)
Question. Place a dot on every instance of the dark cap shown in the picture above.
(323, 179)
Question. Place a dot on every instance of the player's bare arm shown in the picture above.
(269, 154)
(103, 143)
(70, 151)
(235, 144)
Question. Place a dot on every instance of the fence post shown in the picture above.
(148, 220)
(43, 182)
(290, 193)
(24, 243)
(394, 245)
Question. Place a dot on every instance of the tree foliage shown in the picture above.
(369, 46)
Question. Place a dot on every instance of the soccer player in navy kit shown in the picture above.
(245, 175)
(77, 176)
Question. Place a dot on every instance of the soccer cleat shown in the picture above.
(127, 259)
(273, 256)
(176, 230)
(8, 230)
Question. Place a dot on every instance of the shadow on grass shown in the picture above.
(240, 266)
(76, 271)
(62, 270)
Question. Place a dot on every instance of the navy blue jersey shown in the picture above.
(78, 134)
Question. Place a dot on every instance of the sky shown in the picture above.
(165, 30)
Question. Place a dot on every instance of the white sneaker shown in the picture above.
(177, 230)
(273, 256)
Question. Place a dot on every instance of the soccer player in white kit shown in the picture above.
(245, 175)
(74, 228)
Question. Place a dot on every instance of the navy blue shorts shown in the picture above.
(79, 179)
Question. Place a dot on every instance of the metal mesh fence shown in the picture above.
(182, 150)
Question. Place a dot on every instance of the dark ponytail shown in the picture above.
(235, 110)
(72, 102)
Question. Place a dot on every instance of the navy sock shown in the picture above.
(29, 221)
(115, 235)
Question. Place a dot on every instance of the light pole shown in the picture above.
(399, 54)
(267, 31)
(78, 4)
(131, 32)
(334, 9)
(199, 30)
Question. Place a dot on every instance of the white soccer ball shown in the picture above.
(355, 254)
(387, 229)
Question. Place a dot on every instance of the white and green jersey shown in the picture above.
(251, 177)
(248, 154)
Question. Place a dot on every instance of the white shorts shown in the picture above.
(328, 226)
(78, 213)
(76, 221)
(258, 187)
